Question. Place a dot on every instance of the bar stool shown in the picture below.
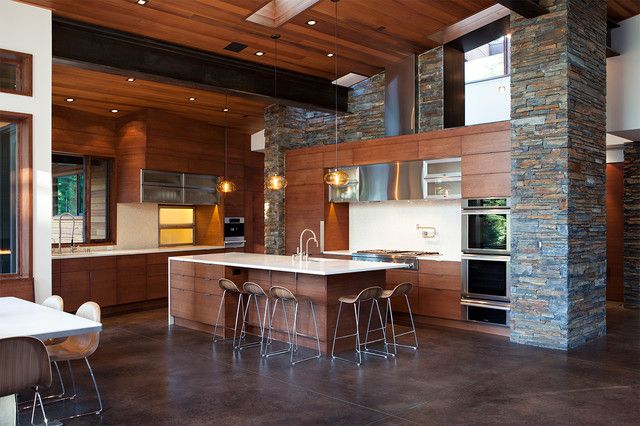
(400, 290)
(372, 294)
(228, 286)
(254, 291)
(284, 295)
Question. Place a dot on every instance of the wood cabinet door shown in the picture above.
(103, 284)
(132, 278)
(74, 289)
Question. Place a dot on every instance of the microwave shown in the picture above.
(486, 226)
(234, 232)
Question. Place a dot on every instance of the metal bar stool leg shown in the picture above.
(215, 328)
(389, 312)
(235, 326)
(413, 325)
(384, 329)
(335, 333)
(356, 311)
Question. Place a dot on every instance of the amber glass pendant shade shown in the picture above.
(226, 186)
(336, 178)
(276, 182)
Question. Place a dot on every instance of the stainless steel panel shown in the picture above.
(153, 177)
(400, 97)
(200, 181)
(374, 182)
(405, 181)
(200, 196)
(161, 194)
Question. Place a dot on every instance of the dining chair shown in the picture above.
(24, 364)
(57, 303)
(80, 348)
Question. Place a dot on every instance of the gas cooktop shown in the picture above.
(410, 258)
(408, 253)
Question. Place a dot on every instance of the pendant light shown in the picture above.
(225, 185)
(336, 177)
(276, 182)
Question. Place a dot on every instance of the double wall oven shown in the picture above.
(486, 248)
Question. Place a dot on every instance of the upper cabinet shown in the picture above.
(177, 188)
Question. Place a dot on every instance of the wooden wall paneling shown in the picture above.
(345, 157)
(479, 143)
(132, 278)
(486, 185)
(21, 288)
(336, 226)
(209, 225)
(132, 141)
(385, 150)
(303, 159)
(77, 132)
(615, 232)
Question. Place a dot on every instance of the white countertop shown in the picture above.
(314, 266)
(435, 257)
(124, 252)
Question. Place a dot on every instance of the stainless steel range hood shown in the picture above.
(400, 97)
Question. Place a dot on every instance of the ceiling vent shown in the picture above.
(235, 47)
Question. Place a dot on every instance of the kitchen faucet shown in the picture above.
(73, 230)
(301, 253)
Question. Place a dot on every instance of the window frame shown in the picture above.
(506, 63)
(111, 202)
(24, 72)
(24, 123)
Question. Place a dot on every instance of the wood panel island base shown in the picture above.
(194, 294)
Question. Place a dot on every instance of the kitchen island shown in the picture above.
(194, 295)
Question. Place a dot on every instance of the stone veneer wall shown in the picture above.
(558, 122)
(431, 90)
(291, 128)
(632, 225)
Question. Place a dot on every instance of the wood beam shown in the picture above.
(102, 49)
(481, 36)
(525, 8)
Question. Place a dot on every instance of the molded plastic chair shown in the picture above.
(78, 348)
(368, 294)
(24, 363)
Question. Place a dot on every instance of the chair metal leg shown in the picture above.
(413, 325)
(397, 345)
(37, 400)
(389, 311)
(295, 332)
(49, 399)
(315, 326)
(384, 329)
(235, 326)
(243, 330)
(356, 311)
(73, 381)
(95, 386)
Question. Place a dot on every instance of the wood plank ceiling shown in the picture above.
(99, 93)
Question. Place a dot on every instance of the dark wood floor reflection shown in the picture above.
(153, 374)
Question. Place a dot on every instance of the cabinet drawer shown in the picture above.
(205, 286)
(159, 258)
(395, 277)
(440, 303)
(102, 262)
(210, 272)
(206, 308)
(132, 261)
(182, 303)
(73, 265)
(182, 282)
(436, 267)
(439, 148)
(182, 268)
(442, 282)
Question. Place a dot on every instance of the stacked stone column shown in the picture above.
(632, 225)
(558, 122)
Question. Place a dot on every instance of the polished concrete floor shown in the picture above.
(153, 374)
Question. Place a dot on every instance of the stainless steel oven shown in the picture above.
(486, 277)
(486, 227)
(486, 311)
(234, 232)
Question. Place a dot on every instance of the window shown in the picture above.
(488, 82)
(15, 196)
(81, 199)
(8, 198)
(15, 72)
(176, 225)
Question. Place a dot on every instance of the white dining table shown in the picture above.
(19, 317)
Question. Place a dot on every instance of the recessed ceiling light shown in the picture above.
(259, 53)
(330, 54)
(311, 22)
(226, 110)
(192, 98)
(142, 2)
(131, 79)
(70, 99)
(115, 110)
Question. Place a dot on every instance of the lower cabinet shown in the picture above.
(118, 280)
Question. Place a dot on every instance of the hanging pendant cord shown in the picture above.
(335, 55)
(226, 130)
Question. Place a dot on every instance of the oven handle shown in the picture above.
(488, 257)
(485, 304)
(468, 212)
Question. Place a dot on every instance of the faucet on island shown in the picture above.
(305, 255)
